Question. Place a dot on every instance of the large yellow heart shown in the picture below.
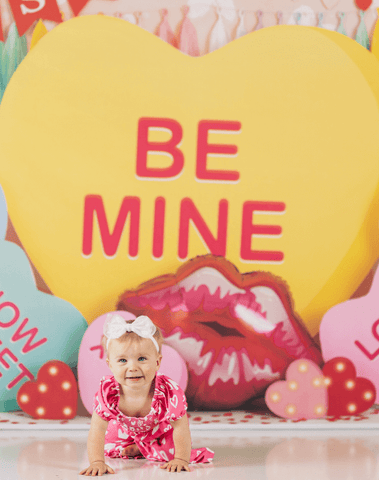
(302, 106)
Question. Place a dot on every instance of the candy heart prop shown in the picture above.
(174, 366)
(150, 141)
(348, 395)
(302, 395)
(54, 395)
(34, 327)
(92, 366)
(237, 333)
(350, 330)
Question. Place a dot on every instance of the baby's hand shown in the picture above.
(176, 465)
(97, 468)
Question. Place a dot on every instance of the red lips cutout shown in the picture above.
(348, 395)
(237, 332)
(53, 396)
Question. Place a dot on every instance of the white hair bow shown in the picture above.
(115, 326)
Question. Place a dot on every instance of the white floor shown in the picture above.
(239, 455)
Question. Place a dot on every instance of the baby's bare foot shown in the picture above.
(131, 451)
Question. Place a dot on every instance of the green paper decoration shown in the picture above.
(320, 20)
(12, 52)
(362, 35)
(341, 28)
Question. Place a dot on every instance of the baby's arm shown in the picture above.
(95, 447)
(182, 444)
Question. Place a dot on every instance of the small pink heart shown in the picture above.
(303, 394)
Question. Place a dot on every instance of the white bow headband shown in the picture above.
(115, 326)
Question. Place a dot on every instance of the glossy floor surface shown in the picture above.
(291, 455)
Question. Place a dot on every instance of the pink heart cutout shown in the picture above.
(351, 330)
(303, 394)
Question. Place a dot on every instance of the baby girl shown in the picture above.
(138, 411)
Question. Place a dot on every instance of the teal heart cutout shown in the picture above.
(34, 327)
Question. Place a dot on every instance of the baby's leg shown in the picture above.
(118, 443)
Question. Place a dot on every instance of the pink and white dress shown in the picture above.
(152, 434)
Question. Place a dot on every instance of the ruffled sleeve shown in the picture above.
(106, 399)
(173, 402)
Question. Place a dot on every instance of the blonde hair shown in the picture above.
(134, 336)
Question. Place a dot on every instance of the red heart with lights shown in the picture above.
(53, 396)
(348, 394)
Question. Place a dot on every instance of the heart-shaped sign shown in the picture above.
(92, 365)
(351, 330)
(34, 327)
(134, 159)
(53, 396)
(304, 394)
(348, 395)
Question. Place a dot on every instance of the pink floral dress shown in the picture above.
(152, 434)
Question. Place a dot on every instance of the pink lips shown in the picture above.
(237, 332)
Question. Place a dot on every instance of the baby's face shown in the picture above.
(133, 363)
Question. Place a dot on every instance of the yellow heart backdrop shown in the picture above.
(121, 158)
